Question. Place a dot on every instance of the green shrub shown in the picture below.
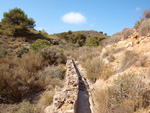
(22, 51)
(54, 55)
(78, 38)
(81, 38)
(40, 44)
(44, 33)
(95, 41)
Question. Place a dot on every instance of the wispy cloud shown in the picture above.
(74, 18)
(137, 8)
(91, 25)
(41, 28)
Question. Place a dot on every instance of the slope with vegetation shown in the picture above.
(120, 70)
(32, 64)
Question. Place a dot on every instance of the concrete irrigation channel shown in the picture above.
(83, 96)
(74, 96)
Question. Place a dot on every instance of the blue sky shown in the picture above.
(109, 16)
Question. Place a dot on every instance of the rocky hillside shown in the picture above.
(119, 71)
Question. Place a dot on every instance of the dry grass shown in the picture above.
(101, 97)
(128, 60)
(110, 51)
(45, 100)
(25, 107)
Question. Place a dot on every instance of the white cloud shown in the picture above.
(74, 18)
(41, 28)
(138, 9)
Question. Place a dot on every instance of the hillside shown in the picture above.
(119, 72)
(74, 71)
(90, 33)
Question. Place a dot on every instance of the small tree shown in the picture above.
(81, 38)
(95, 40)
(16, 21)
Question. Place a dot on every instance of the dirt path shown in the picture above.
(83, 96)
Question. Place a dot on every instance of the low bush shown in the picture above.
(40, 44)
(146, 13)
(51, 76)
(53, 55)
(96, 69)
(127, 88)
(44, 33)
(128, 60)
(113, 39)
(144, 27)
(21, 51)
(127, 32)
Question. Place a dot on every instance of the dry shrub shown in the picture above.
(144, 27)
(127, 32)
(51, 76)
(96, 69)
(110, 52)
(129, 59)
(144, 60)
(146, 13)
(19, 77)
(129, 89)
(54, 55)
(45, 99)
(113, 39)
